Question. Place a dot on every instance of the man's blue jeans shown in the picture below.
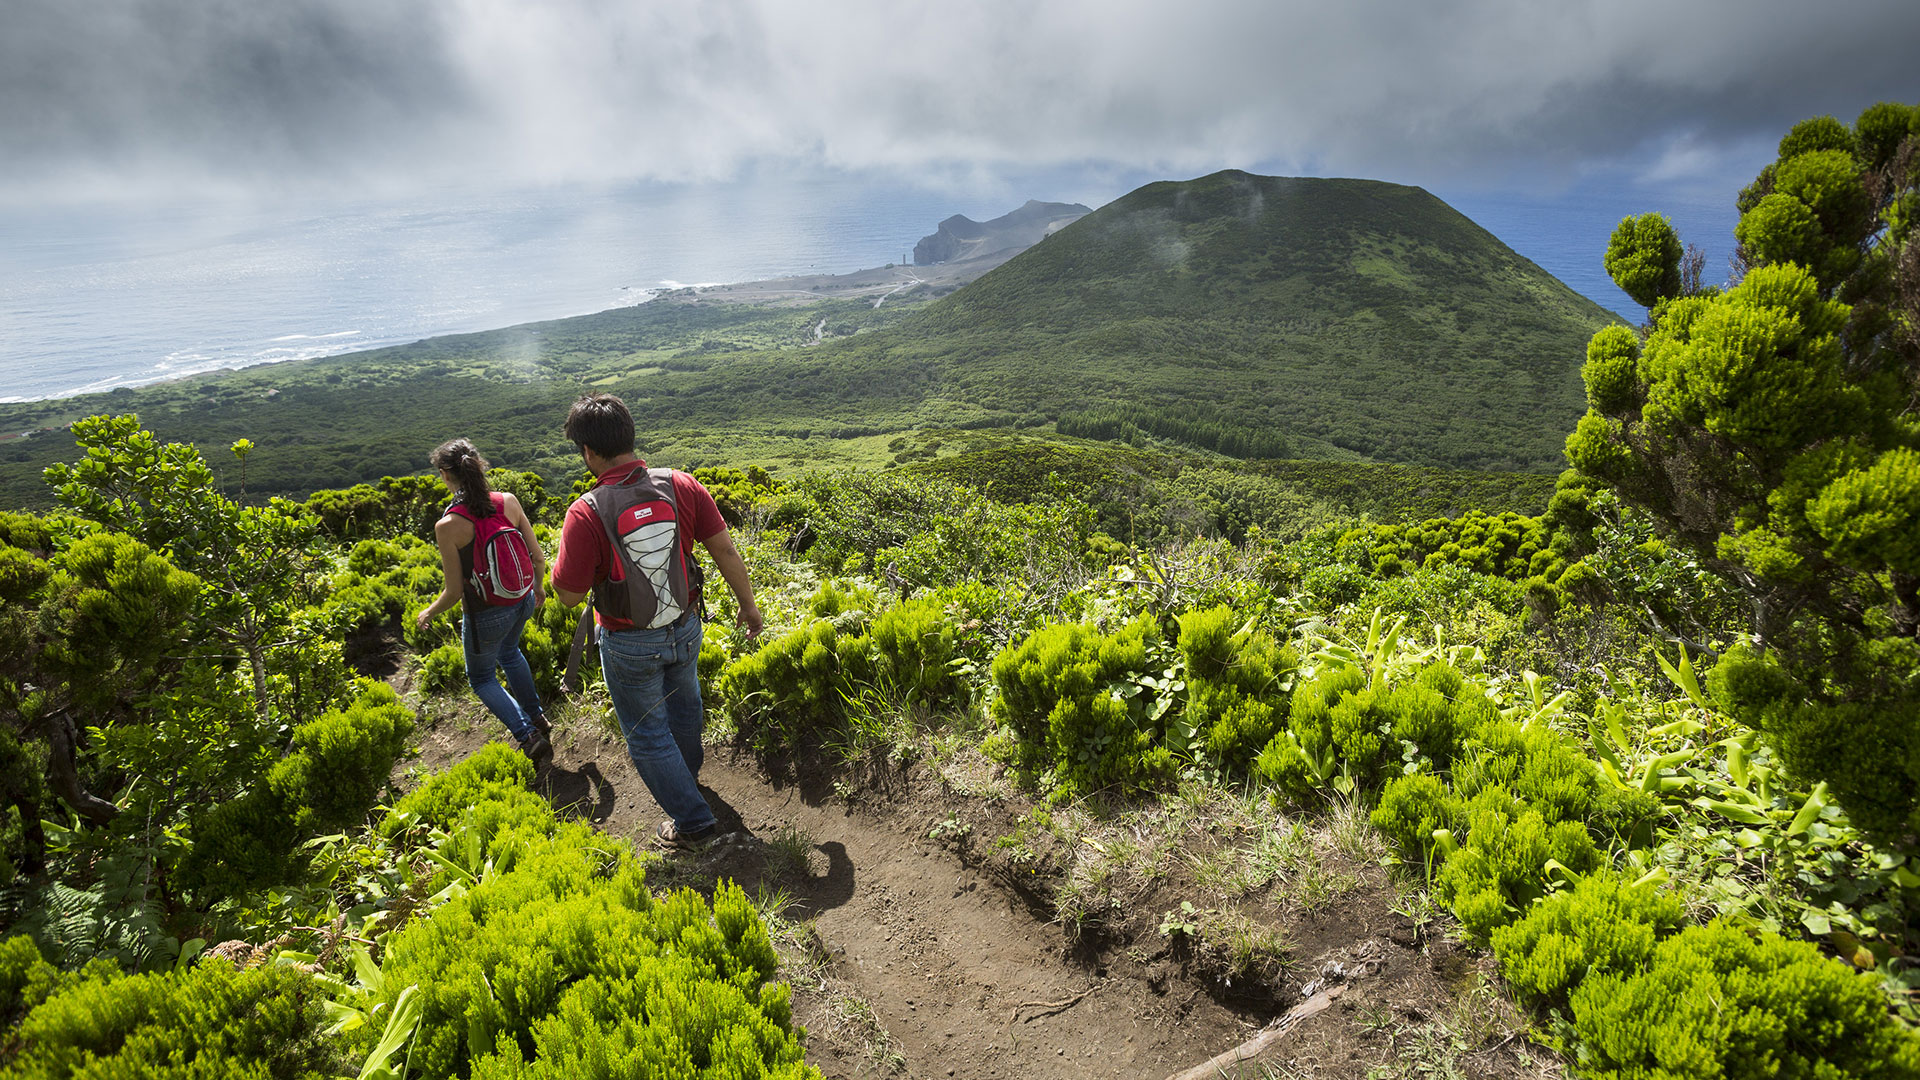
(490, 638)
(653, 677)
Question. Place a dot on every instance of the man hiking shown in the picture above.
(629, 542)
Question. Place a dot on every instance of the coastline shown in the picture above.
(799, 290)
(139, 381)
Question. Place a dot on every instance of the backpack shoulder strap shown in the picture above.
(664, 477)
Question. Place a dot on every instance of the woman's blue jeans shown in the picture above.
(491, 638)
(653, 677)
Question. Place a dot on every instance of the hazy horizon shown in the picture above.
(153, 132)
(92, 301)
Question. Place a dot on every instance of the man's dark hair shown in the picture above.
(602, 424)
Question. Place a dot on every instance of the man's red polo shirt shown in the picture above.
(585, 556)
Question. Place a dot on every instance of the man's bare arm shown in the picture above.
(734, 569)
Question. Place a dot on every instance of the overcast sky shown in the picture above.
(129, 98)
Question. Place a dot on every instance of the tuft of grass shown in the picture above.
(1253, 952)
(790, 853)
(1353, 834)
(878, 723)
(1313, 885)
(1274, 853)
(851, 1020)
(1457, 1045)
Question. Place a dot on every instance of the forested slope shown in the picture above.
(1350, 314)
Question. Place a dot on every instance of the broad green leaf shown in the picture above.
(1816, 802)
(400, 1028)
(1746, 815)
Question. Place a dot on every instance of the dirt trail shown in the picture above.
(916, 956)
(961, 974)
(923, 966)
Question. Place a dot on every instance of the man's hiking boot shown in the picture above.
(540, 724)
(670, 837)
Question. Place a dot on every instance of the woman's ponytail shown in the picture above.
(469, 470)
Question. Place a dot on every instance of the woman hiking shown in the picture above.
(493, 568)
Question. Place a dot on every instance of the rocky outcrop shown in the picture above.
(960, 237)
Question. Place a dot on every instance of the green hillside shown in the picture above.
(1255, 316)
(1349, 315)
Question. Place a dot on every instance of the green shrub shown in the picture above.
(371, 558)
(560, 963)
(493, 772)
(334, 768)
(25, 977)
(833, 601)
(1412, 807)
(1306, 754)
(337, 765)
(25, 531)
(1502, 864)
(211, 1022)
(1230, 726)
(1715, 1002)
(1553, 775)
(360, 604)
(1507, 546)
(913, 646)
(401, 506)
(1064, 692)
(241, 844)
(1602, 924)
(1544, 769)
(714, 657)
(444, 669)
(1422, 723)
(546, 657)
(1239, 680)
(1864, 751)
(1219, 648)
(793, 682)
(21, 574)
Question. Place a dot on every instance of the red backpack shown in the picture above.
(502, 565)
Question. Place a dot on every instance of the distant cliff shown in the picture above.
(960, 237)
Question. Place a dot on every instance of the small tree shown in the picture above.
(1772, 428)
(87, 634)
(255, 561)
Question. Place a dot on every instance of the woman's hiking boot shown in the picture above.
(538, 748)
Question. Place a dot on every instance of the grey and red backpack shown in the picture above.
(651, 584)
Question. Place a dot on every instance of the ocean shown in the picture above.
(92, 299)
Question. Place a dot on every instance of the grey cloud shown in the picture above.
(138, 92)
(221, 87)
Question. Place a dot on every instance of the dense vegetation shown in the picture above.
(178, 676)
(1098, 671)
